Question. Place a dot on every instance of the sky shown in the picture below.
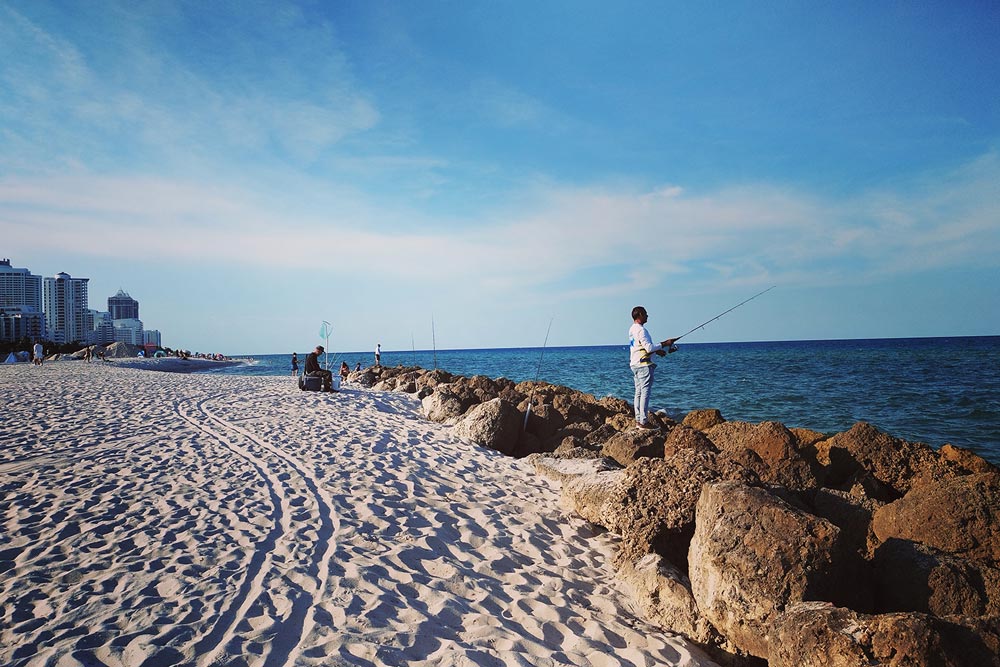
(247, 170)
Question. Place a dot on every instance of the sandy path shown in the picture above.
(155, 519)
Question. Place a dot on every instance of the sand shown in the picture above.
(154, 518)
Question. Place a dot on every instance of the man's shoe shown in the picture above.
(648, 427)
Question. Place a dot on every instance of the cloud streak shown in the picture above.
(746, 234)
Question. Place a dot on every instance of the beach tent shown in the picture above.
(11, 358)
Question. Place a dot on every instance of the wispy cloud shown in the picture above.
(132, 98)
(746, 234)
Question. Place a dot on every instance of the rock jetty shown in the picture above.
(765, 544)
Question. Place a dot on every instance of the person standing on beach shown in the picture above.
(641, 347)
(295, 364)
(378, 355)
(38, 352)
(313, 369)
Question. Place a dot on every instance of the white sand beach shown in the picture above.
(154, 518)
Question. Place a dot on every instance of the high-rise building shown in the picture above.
(19, 322)
(20, 304)
(151, 337)
(129, 331)
(64, 301)
(123, 307)
(104, 328)
(19, 287)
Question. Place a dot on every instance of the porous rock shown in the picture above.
(959, 516)
(892, 461)
(544, 421)
(684, 438)
(914, 577)
(653, 506)
(563, 470)
(495, 424)
(627, 446)
(589, 495)
(817, 634)
(663, 594)
(442, 405)
(775, 445)
(966, 459)
(853, 515)
(702, 420)
(752, 555)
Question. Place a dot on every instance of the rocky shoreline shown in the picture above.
(764, 544)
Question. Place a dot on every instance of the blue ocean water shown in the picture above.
(933, 390)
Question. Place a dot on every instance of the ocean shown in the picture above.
(933, 390)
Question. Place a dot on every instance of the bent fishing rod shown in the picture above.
(673, 346)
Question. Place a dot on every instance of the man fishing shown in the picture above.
(641, 348)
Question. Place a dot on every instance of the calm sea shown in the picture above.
(933, 390)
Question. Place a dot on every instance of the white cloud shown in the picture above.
(747, 234)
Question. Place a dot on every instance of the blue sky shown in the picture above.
(247, 170)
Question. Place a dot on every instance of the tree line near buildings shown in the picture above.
(25, 344)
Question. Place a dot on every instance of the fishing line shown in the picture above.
(538, 371)
(702, 325)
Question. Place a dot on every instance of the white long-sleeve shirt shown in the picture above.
(640, 346)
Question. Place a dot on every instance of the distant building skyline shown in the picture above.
(57, 309)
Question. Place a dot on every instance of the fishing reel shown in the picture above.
(669, 350)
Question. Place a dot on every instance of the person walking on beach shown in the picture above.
(37, 353)
(641, 348)
(313, 369)
(378, 355)
(87, 354)
(295, 364)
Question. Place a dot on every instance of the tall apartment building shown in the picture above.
(129, 330)
(20, 304)
(103, 331)
(64, 301)
(151, 337)
(123, 307)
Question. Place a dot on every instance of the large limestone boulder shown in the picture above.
(564, 470)
(544, 421)
(495, 424)
(442, 405)
(365, 377)
(685, 438)
(817, 634)
(852, 514)
(913, 577)
(752, 555)
(627, 446)
(895, 463)
(702, 420)
(663, 594)
(653, 506)
(590, 495)
(959, 516)
(775, 445)
(433, 378)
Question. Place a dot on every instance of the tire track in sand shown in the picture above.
(297, 512)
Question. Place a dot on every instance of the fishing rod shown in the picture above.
(538, 371)
(673, 347)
